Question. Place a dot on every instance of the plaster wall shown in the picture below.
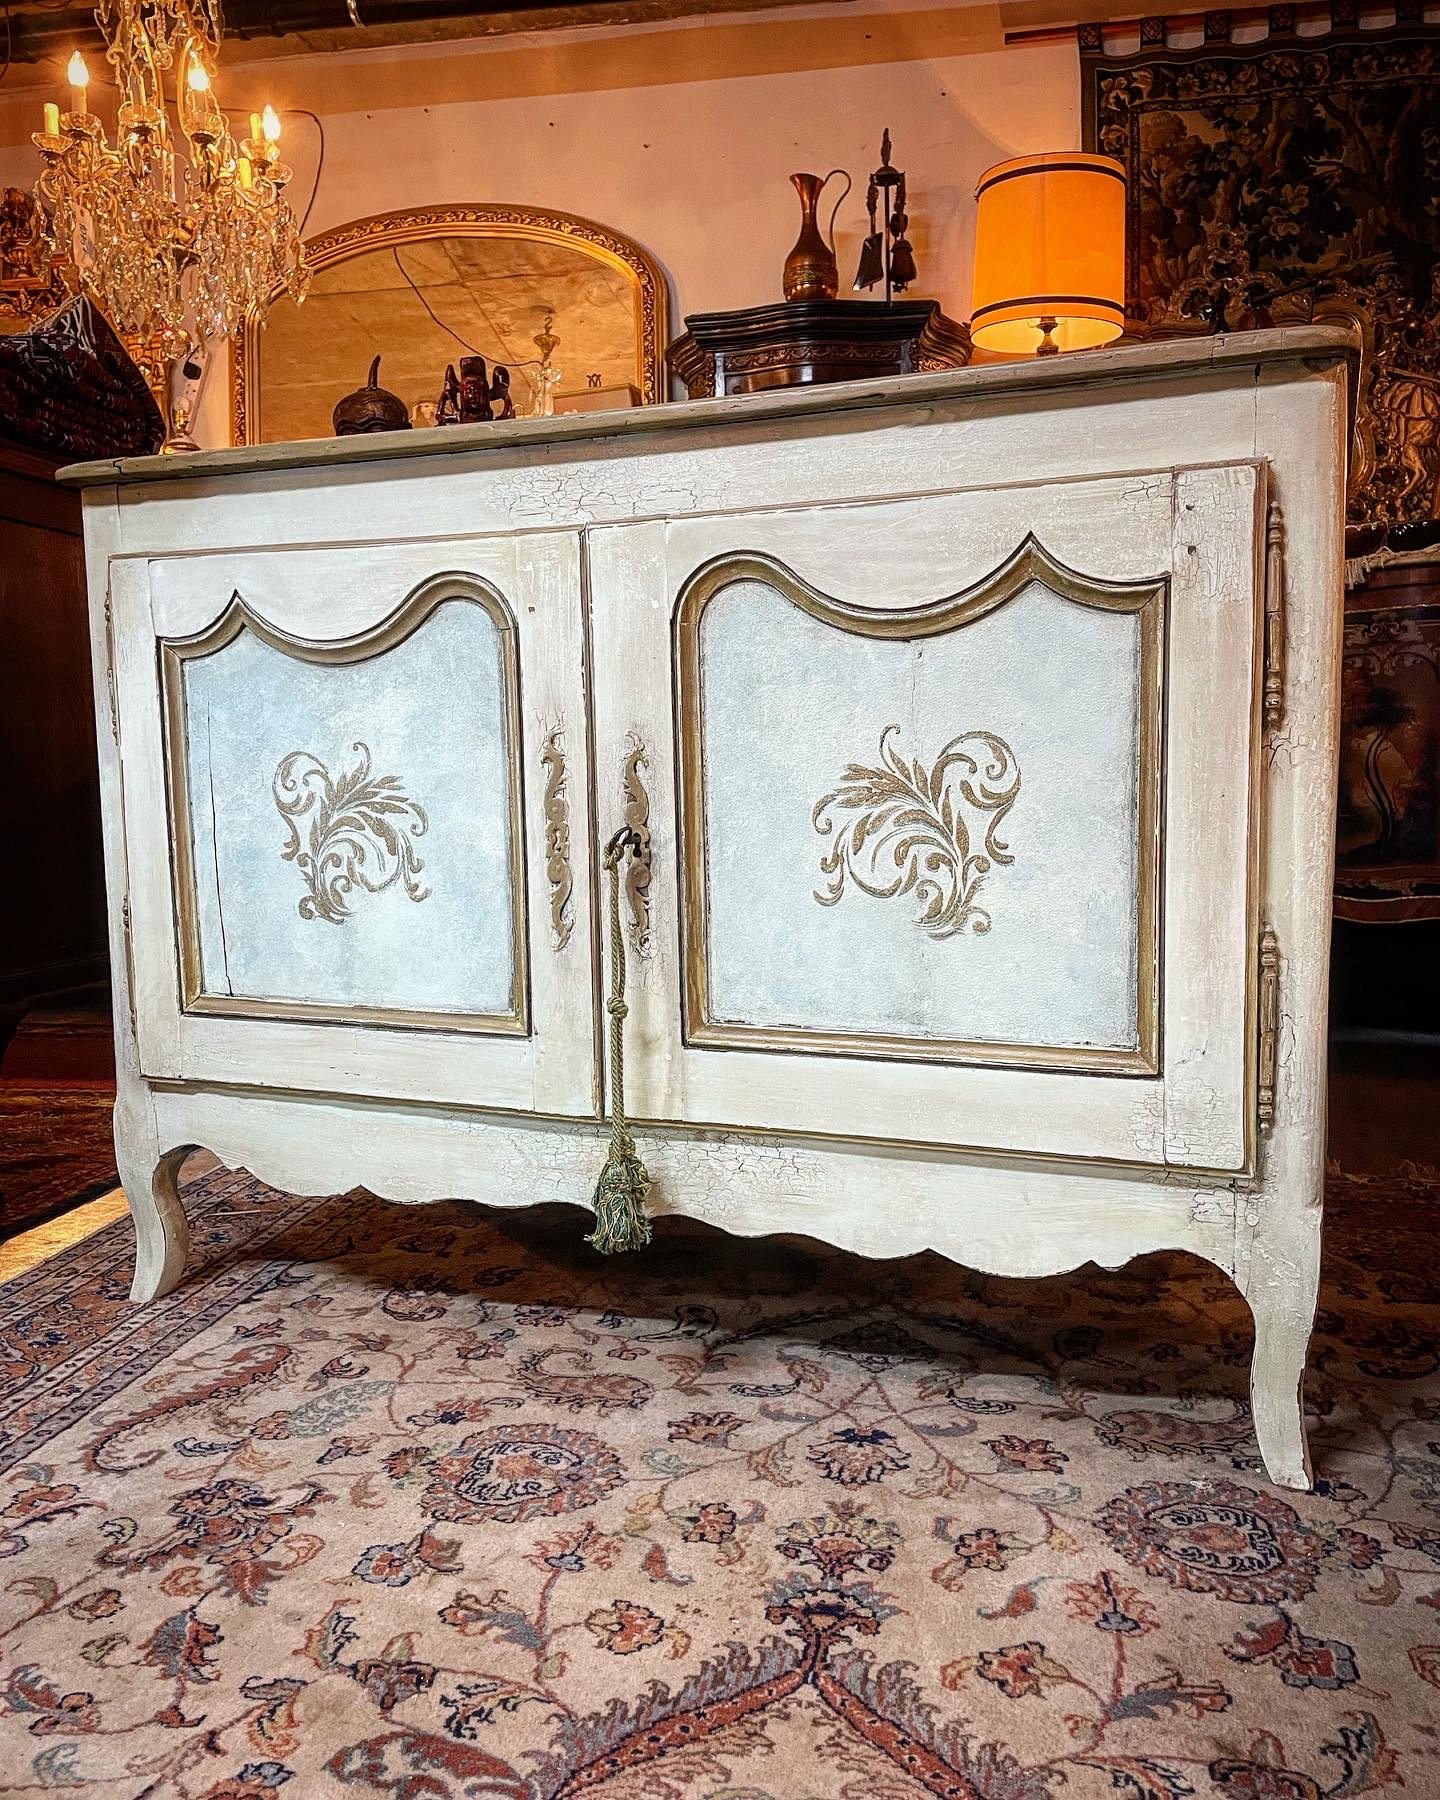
(684, 136)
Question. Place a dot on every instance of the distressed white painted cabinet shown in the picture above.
(979, 730)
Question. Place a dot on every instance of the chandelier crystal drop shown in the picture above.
(178, 231)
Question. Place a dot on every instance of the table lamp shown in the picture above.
(1049, 254)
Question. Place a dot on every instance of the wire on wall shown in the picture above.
(305, 113)
(474, 349)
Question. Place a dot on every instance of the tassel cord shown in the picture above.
(621, 1222)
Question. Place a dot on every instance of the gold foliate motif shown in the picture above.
(557, 838)
(908, 829)
(637, 817)
(361, 832)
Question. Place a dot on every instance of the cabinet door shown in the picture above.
(356, 806)
(952, 814)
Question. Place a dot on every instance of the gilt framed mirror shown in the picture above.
(425, 287)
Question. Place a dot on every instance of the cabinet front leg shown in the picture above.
(1280, 1278)
(162, 1236)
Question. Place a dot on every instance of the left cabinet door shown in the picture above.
(356, 807)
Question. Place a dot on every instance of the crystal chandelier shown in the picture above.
(175, 234)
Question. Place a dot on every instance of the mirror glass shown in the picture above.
(422, 298)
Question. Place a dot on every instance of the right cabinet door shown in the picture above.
(952, 813)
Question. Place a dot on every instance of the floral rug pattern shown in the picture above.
(433, 1502)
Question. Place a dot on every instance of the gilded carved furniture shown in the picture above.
(30, 283)
(976, 733)
(424, 286)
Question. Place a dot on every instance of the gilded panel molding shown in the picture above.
(612, 248)
(1029, 562)
(556, 807)
(394, 629)
(908, 834)
(361, 832)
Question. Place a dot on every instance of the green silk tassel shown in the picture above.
(621, 1222)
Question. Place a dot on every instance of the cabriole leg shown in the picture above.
(162, 1237)
(1280, 1278)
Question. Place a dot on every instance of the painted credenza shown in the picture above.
(978, 728)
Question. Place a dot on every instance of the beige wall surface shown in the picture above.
(683, 136)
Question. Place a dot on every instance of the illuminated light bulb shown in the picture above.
(79, 78)
(270, 125)
(197, 78)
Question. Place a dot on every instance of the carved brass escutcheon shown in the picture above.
(637, 817)
(557, 838)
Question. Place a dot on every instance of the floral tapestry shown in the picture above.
(1284, 179)
(1289, 179)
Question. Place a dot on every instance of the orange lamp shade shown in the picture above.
(1049, 254)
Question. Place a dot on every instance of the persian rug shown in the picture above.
(434, 1503)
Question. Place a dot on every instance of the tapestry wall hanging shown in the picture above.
(1293, 178)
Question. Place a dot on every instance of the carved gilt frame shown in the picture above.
(1029, 562)
(406, 619)
(341, 242)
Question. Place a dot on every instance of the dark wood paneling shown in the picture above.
(52, 891)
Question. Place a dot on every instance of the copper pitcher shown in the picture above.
(811, 272)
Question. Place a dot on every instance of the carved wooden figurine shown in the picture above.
(475, 395)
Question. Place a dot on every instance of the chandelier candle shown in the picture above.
(177, 232)
(78, 75)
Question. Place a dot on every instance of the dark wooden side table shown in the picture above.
(792, 342)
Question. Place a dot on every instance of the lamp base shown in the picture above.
(1047, 345)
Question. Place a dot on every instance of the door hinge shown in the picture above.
(130, 973)
(1274, 691)
(110, 670)
(1269, 1010)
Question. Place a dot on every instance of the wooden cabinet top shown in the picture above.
(1165, 362)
